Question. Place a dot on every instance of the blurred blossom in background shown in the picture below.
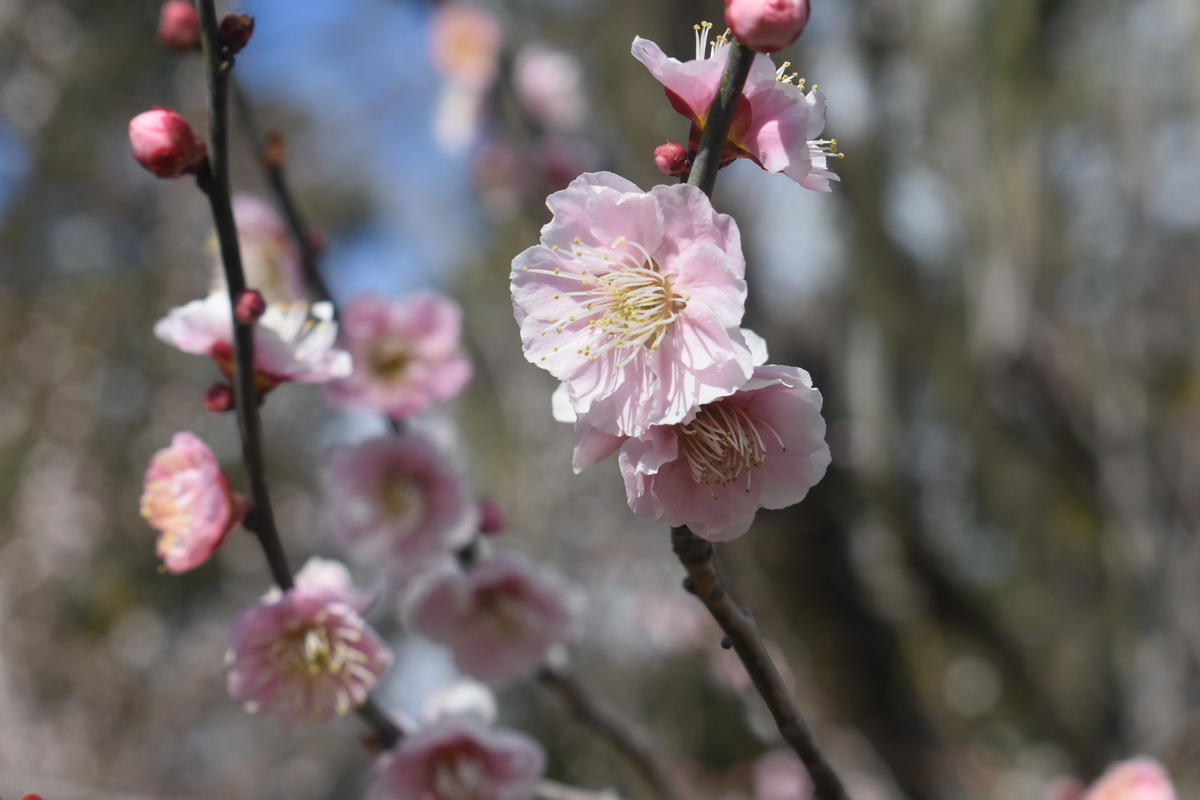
(993, 593)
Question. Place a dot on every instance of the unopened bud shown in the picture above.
(275, 152)
(672, 159)
(165, 144)
(492, 518)
(766, 25)
(236, 30)
(249, 307)
(219, 398)
(179, 25)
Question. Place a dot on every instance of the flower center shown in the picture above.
(389, 360)
(501, 610)
(401, 497)
(627, 301)
(458, 775)
(721, 443)
(311, 649)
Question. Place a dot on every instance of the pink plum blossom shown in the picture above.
(762, 447)
(500, 617)
(460, 757)
(633, 299)
(326, 574)
(549, 83)
(304, 655)
(776, 124)
(291, 343)
(1136, 779)
(395, 501)
(187, 499)
(269, 255)
(781, 775)
(406, 353)
(766, 25)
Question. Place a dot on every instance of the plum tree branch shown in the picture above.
(214, 182)
(696, 554)
(630, 741)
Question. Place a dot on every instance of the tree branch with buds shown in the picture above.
(214, 181)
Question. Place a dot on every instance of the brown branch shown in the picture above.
(272, 154)
(214, 181)
(630, 741)
(696, 555)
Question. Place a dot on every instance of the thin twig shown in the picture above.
(630, 741)
(697, 555)
(214, 181)
(720, 118)
(739, 625)
(271, 153)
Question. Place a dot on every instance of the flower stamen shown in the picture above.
(721, 443)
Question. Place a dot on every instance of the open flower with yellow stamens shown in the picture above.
(395, 502)
(187, 499)
(304, 655)
(762, 447)
(500, 617)
(777, 124)
(633, 299)
(291, 342)
(407, 354)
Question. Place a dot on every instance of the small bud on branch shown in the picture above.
(249, 307)
(164, 143)
(236, 30)
(179, 26)
(672, 159)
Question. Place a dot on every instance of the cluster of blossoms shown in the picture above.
(634, 300)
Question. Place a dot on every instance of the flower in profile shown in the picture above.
(766, 25)
(459, 757)
(407, 354)
(633, 299)
(776, 123)
(395, 501)
(549, 83)
(1136, 779)
(500, 618)
(291, 342)
(269, 255)
(304, 655)
(164, 143)
(762, 447)
(781, 775)
(187, 499)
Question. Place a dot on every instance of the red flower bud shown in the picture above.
(766, 25)
(672, 159)
(218, 398)
(179, 25)
(492, 518)
(236, 30)
(249, 307)
(165, 144)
